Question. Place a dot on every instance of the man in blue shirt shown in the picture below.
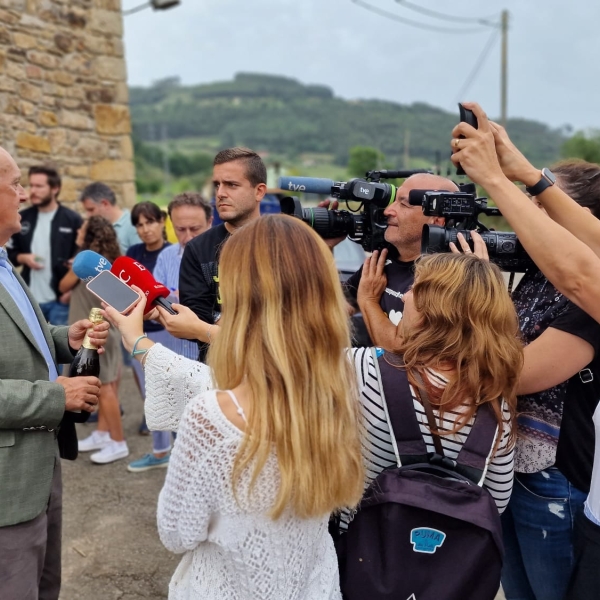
(33, 401)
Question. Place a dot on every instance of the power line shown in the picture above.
(450, 18)
(475, 71)
(131, 11)
(399, 19)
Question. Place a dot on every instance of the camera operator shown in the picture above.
(403, 234)
(489, 158)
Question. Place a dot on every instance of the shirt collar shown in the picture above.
(3, 258)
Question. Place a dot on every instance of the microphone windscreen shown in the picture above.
(88, 264)
(311, 185)
(132, 272)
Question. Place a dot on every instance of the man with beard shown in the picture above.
(240, 180)
(45, 243)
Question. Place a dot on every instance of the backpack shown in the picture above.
(425, 529)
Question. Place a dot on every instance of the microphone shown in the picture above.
(131, 272)
(88, 264)
(312, 185)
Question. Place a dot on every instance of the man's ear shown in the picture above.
(261, 190)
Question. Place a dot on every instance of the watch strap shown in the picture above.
(543, 184)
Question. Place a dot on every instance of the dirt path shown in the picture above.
(111, 549)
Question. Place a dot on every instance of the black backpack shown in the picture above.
(426, 529)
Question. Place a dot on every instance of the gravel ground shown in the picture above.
(111, 549)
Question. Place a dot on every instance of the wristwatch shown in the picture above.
(548, 179)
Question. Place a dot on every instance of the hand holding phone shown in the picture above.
(110, 289)
(466, 116)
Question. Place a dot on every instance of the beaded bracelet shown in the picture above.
(134, 351)
(208, 333)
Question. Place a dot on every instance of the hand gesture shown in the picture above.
(373, 280)
(81, 393)
(184, 325)
(514, 165)
(32, 261)
(130, 326)
(479, 248)
(98, 334)
(331, 205)
(477, 151)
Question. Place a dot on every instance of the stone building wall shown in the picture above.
(63, 92)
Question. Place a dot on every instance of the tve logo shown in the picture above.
(296, 188)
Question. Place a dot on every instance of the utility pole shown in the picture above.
(166, 165)
(406, 148)
(504, 68)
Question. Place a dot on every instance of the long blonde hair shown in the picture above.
(285, 333)
(466, 321)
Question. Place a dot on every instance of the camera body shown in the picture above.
(461, 211)
(366, 225)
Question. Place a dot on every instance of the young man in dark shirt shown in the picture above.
(403, 233)
(240, 180)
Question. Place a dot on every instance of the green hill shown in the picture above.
(287, 118)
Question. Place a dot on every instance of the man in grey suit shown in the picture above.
(33, 401)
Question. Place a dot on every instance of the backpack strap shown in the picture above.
(473, 458)
(407, 440)
(409, 446)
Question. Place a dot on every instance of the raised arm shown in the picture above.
(559, 206)
(565, 260)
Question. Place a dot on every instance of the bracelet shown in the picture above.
(208, 333)
(134, 351)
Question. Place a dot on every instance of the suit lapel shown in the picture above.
(17, 316)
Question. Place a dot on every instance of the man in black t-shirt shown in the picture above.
(403, 233)
(240, 178)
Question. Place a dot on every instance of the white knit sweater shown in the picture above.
(232, 550)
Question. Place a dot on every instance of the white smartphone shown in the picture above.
(110, 289)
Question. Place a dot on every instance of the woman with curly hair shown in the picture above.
(98, 235)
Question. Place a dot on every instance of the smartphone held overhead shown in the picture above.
(110, 289)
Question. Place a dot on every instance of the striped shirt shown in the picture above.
(378, 453)
(166, 272)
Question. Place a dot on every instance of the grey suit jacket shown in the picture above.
(31, 407)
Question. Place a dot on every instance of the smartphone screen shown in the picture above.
(113, 291)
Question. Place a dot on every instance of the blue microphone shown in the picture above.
(311, 185)
(88, 264)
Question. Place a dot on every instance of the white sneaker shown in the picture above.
(96, 441)
(113, 451)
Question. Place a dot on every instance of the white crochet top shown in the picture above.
(232, 551)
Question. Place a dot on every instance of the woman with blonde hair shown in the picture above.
(459, 332)
(261, 462)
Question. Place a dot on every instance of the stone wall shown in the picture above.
(63, 92)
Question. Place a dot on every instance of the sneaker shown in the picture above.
(147, 462)
(111, 452)
(96, 441)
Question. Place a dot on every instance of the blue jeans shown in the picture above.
(538, 527)
(56, 313)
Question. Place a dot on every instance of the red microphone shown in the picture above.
(131, 272)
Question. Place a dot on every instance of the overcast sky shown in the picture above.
(554, 51)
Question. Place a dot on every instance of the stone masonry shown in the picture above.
(63, 92)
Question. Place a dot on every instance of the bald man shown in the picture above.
(33, 403)
(403, 233)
